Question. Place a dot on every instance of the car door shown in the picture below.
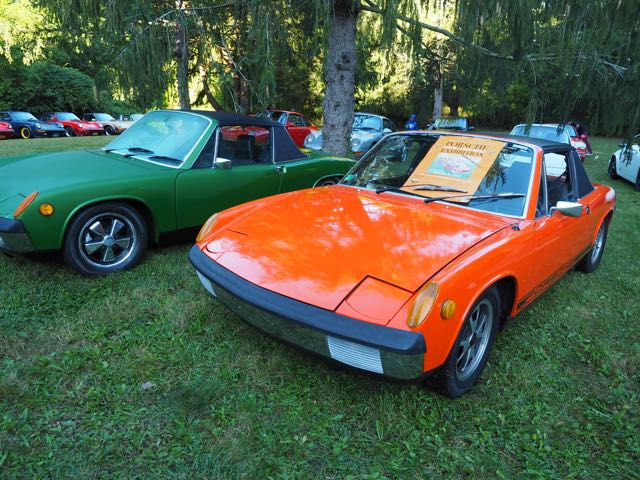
(629, 162)
(210, 187)
(297, 128)
(560, 239)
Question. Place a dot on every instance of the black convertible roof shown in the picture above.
(227, 118)
(538, 142)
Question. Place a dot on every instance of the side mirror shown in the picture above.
(386, 131)
(570, 209)
(223, 163)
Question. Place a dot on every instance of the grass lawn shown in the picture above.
(143, 375)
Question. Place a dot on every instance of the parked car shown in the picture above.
(110, 125)
(26, 125)
(366, 131)
(297, 124)
(130, 117)
(458, 124)
(625, 163)
(558, 132)
(167, 172)
(409, 264)
(72, 124)
(6, 130)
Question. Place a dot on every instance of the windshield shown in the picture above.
(104, 117)
(136, 116)
(66, 116)
(274, 115)
(396, 157)
(367, 122)
(23, 116)
(451, 123)
(544, 132)
(164, 137)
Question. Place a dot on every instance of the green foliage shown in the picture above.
(143, 375)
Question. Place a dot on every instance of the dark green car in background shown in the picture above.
(169, 171)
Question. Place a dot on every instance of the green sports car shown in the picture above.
(169, 171)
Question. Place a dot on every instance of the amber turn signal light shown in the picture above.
(46, 209)
(24, 204)
(422, 305)
(207, 227)
(448, 309)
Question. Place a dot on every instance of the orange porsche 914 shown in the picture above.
(408, 266)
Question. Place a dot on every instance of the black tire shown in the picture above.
(25, 132)
(105, 238)
(637, 185)
(109, 130)
(69, 131)
(325, 182)
(453, 379)
(591, 260)
(611, 171)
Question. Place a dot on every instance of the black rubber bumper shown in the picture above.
(385, 338)
(11, 226)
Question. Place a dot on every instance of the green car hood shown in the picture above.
(19, 176)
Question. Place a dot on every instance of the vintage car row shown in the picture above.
(408, 266)
(167, 172)
(58, 124)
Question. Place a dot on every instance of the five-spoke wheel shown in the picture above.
(105, 238)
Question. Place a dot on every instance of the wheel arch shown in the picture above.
(337, 176)
(138, 204)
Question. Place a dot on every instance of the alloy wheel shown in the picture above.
(107, 240)
(474, 340)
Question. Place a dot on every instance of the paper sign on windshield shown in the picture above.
(455, 162)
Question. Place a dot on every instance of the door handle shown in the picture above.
(281, 169)
(588, 209)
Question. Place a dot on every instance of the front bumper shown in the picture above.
(14, 237)
(391, 352)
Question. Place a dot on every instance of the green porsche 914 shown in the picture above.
(169, 171)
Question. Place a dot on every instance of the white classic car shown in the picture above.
(625, 163)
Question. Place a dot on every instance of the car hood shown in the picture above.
(317, 245)
(365, 134)
(19, 176)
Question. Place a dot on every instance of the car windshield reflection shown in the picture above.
(163, 137)
(394, 160)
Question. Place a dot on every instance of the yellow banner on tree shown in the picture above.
(456, 162)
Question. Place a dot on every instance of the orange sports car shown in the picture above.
(408, 266)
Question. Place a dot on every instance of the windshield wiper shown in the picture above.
(435, 188)
(164, 157)
(492, 196)
(396, 190)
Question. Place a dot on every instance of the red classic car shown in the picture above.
(6, 131)
(72, 124)
(297, 124)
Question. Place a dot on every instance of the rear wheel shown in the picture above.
(69, 131)
(25, 132)
(611, 171)
(591, 260)
(105, 238)
(471, 349)
(637, 185)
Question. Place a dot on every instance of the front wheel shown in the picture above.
(611, 171)
(105, 238)
(69, 131)
(637, 185)
(109, 130)
(471, 349)
(591, 260)
(25, 132)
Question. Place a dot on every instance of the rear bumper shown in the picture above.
(391, 352)
(14, 237)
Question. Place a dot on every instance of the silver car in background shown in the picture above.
(367, 129)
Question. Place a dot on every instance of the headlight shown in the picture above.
(38, 125)
(60, 125)
(422, 305)
(309, 140)
(207, 227)
(99, 124)
(355, 143)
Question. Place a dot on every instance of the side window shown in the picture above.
(5, 117)
(560, 185)
(244, 144)
(296, 120)
(541, 204)
(386, 123)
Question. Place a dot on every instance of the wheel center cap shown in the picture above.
(109, 241)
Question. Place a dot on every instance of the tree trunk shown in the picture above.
(438, 95)
(339, 79)
(182, 59)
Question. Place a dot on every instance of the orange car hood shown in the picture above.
(317, 245)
